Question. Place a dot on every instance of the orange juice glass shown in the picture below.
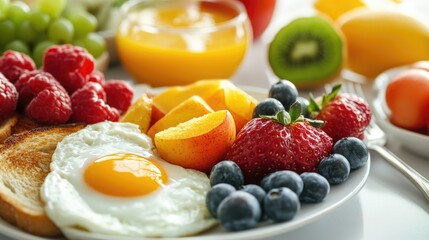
(177, 42)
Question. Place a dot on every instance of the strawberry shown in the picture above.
(286, 141)
(345, 114)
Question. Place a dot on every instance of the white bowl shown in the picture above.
(415, 142)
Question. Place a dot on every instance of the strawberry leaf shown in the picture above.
(330, 96)
(295, 111)
(315, 123)
(281, 117)
(313, 106)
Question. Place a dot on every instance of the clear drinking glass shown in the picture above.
(178, 42)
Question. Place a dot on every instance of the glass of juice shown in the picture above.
(178, 42)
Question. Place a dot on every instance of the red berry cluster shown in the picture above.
(65, 89)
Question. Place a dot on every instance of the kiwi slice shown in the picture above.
(307, 51)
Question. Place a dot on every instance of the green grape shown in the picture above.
(26, 33)
(92, 42)
(39, 51)
(4, 4)
(39, 21)
(61, 30)
(83, 22)
(7, 31)
(53, 8)
(18, 12)
(42, 37)
(18, 46)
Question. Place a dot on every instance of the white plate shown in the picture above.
(413, 141)
(308, 213)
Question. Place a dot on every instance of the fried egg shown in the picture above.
(106, 178)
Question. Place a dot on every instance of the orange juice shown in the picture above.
(182, 43)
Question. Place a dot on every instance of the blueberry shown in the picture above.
(284, 91)
(354, 150)
(239, 211)
(281, 204)
(304, 104)
(335, 168)
(227, 172)
(256, 191)
(269, 106)
(215, 196)
(284, 178)
(316, 188)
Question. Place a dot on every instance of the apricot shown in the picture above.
(199, 143)
(407, 96)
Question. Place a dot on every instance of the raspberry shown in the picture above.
(32, 83)
(119, 95)
(88, 105)
(8, 98)
(43, 98)
(13, 64)
(50, 107)
(96, 76)
(70, 65)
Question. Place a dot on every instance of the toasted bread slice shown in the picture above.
(24, 124)
(24, 164)
(6, 127)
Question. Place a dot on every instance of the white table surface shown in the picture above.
(388, 206)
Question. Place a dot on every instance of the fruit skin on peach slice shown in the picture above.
(140, 113)
(193, 107)
(199, 143)
(219, 94)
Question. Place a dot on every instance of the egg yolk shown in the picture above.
(125, 175)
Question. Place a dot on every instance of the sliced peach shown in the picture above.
(238, 102)
(199, 143)
(140, 113)
(219, 94)
(156, 115)
(169, 98)
(193, 107)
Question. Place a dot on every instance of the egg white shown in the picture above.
(177, 209)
